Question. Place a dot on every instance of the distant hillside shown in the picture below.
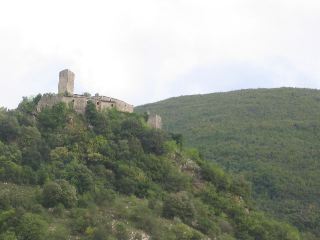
(272, 136)
(109, 176)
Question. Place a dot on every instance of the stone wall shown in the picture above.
(155, 121)
(48, 100)
(79, 103)
(123, 106)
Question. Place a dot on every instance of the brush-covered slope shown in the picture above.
(107, 176)
(270, 135)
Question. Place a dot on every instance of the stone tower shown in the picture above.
(66, 82)
(155, 121)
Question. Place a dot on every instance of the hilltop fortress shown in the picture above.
(79, 102)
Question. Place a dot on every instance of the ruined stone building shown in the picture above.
(155, 121)
(79, 102)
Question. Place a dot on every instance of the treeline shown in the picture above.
(107, 175)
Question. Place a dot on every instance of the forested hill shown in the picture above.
(272, 136)
(107, 175)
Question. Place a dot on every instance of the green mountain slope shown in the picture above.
(272, 136)
(105, 176)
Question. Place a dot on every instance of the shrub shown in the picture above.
(8, 236)
(132, 180)
(183, 232)
(68, 194)
(122, 232)
(214, 174)
(32, 227)
(53, 118)
(52, 193)
(80, 176)
(9, 128)
(179, 205)
(59, 192)
(153, 141)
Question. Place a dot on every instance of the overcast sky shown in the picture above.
(143, 51)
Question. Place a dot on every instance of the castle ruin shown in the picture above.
(79, 102)
(155, 121)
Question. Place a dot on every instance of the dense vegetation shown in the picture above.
(109, 176)
(272, 136)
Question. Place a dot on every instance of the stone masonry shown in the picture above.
(155, 121)
(79, 102)
(66, 82)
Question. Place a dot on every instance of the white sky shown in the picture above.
(146, 50)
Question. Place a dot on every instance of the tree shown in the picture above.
(179, 205)
(183, 232)
(178, 138)
(80, 176)
(131, 127)
(61, 154)
(59, 192)
(53, 118)
(8, 236)
(214, 174)
(96, 119)
(32, 227)
(52, 194)
(28, 104)
(9, 127)
(68, 194)
(153, 141)
(132, 180)
(91, 113)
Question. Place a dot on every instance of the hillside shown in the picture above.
(107, 175)
(272, 136)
